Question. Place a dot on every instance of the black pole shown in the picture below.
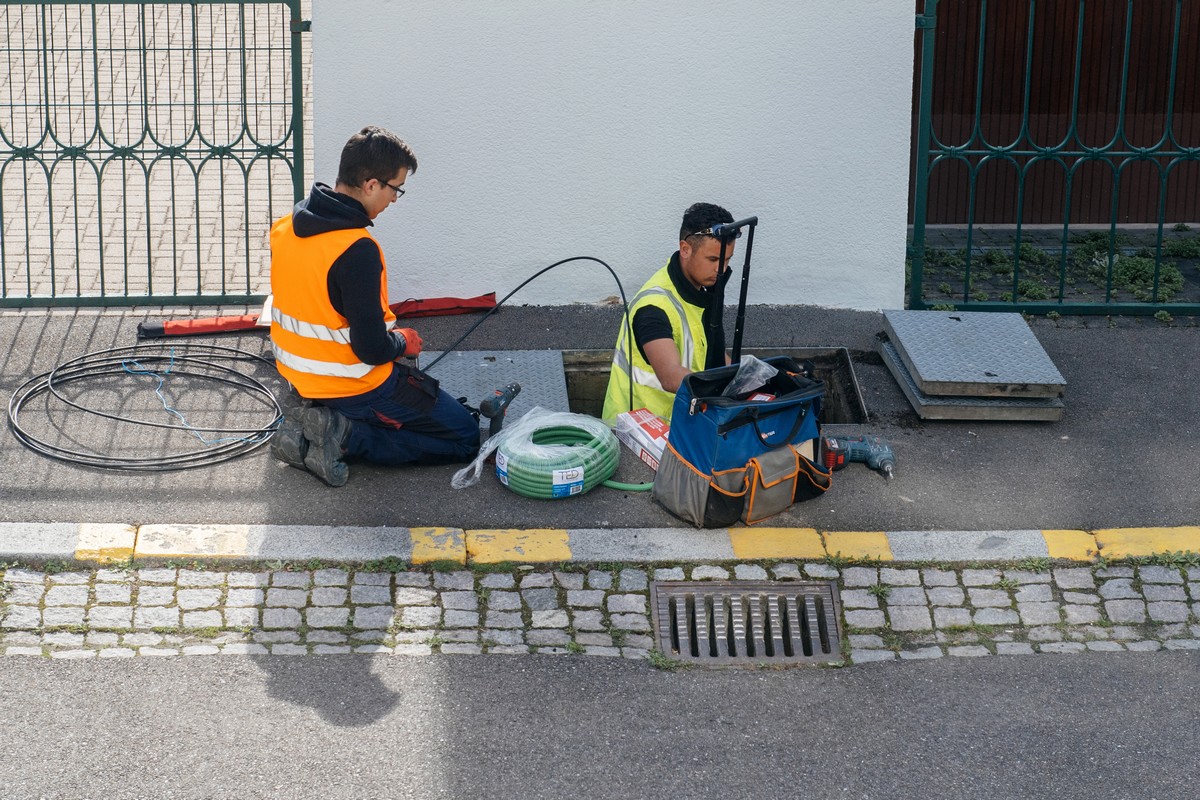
(716, 304)
(736, 355)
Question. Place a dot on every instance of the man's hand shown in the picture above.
(412, 342)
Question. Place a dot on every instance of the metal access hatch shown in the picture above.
(747, 622)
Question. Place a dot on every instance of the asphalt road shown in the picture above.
(1085, 726)
(1124, 454)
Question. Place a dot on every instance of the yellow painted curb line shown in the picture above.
(1125, 542)
(753, 544)
(529, 546)
(438, 544)
(858, 544)
(104, 543)
(1071, 545)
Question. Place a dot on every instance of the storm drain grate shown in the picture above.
(737, 622)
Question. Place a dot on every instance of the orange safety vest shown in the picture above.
(310, 338)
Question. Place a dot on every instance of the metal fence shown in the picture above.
(1061, 152)
(145, 149)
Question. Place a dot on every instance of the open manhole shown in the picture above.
(743, 622)
(587, 380)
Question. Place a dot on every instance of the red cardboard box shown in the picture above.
(643, 433)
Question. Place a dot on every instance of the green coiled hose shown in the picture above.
(566, 460)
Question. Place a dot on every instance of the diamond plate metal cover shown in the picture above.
(972, 353)
(477, 373)
(1001, 409)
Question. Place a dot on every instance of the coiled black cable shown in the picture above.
(206, 362)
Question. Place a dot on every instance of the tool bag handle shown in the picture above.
(751, 416)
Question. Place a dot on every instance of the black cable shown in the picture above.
(210, 363)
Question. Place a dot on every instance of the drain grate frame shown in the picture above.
(747, 622)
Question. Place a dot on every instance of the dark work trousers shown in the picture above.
(408, 419)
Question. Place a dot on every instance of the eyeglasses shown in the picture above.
(399, 192)
(737, 234)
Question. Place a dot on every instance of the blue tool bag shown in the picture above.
(730, 458)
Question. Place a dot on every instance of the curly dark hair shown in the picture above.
(700, 217)
(374, 152)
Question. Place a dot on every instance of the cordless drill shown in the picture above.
(871, 450)
(496, 406)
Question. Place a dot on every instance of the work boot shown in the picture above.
(288, 443)
(327, 432)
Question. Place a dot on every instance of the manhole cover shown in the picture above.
(738, 622)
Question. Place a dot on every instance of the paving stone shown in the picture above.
(29, 594)
(416, 579)
(1126, 610)
(946, 596)
(1168, 612)
(289, 650)
(244, 649)
(968, 651)
(198, 598)
(503, 637)
(749, 572)
(96, 639)
(670, 574)
(821, 572)
(247, 580)
(330, 577)
(63, 639)
(1024, 576)
(73, 655)
(413, 650)
(156, 595)
(460, 601)
(423, 636)
(860, 576)
(144, 618)
(1192, 573)
(632, 580)
(329, 596)
(158, 652)
(588, 620)
(141, 639)
(1034, 593)
(1183, 644)
(538, 580)
(1074, 578)
(331, 649)
(366, 617)
(241, 617)
(989, 598)
(639, 641)
(1062, 648)
(1156, 574)
(405, 596)
(627, 604)
(549, 619)
(275, 637)
(114, 593)
(635, 653)
(996, 616)
(1096, 632)
(921, 654)
(910, 618)
(504, 619)
(541, 599)
(335, 617)
(980, 577)
(951, 617)
(202, 619)
(1124, 632)
(21, 637)
(584, 598)
(571, 581)
(865, 619)
(547, 638)
(156, 576)
(377, 578)
(604, 652)
(907, 596)
(459, 635)
(67, 596)
(594, 639)
(462, 649)
(1039, 613)
(380, 595)
(461, 619)
(1081, 615)
(63, 615)
(421, 616)
(240, 598)
(630, 622)
(859, 598)
(939, 577)
(291, 580)
(1044, 633)
(281, 618)
(1160, 593)
(286, 598)
(1014, 649)
(199, 578)
(25, 576)
(867, 656)
(1081, 598)
(1194, 590)
(891, 576)
(116, 652)
(865, 640)
(1105, 647)
(498, 581)
(1147, 646)
(21, 618)
(1118, 588)
(599, 580)
(708, 572)
(325, 637)
(504, 601)
(1115, 572)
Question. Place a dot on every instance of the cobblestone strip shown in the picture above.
(891, 613)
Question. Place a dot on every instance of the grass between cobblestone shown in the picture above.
(890, 610)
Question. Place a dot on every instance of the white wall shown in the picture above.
(552, 128)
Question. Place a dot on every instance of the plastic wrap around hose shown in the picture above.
(548, 454)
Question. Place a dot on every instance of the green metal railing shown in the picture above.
(1113, 268)
(145, 149)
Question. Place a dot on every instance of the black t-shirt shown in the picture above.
(651, 323)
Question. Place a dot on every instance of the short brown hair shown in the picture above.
(374, 152)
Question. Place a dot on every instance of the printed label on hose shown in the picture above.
(502, 467)
(566, 482)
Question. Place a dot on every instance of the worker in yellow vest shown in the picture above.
(672, 333)
(335, 338)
